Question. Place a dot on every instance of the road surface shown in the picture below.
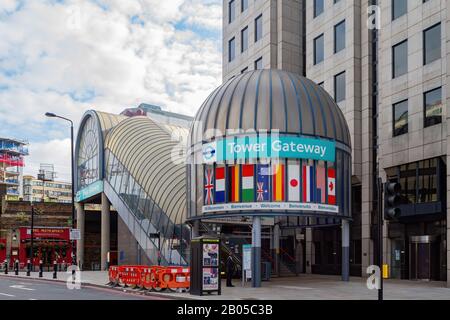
(28, 289)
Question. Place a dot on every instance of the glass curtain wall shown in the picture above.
(148, 218)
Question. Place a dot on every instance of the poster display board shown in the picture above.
(210, 266)
(246, 263)
(205, 266)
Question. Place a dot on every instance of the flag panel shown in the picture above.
(248, 190)
(331, 186)
(320, 178)
(208, 186)
(308, 183)
(234, 183)
(220, 185)
(278, 180)
(293, 181)
(262, 183)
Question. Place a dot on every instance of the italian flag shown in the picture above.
(248, 189)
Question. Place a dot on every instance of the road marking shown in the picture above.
(32, 299)
(6, 294)
(21, 286)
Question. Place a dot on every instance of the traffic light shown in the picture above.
(392, 200)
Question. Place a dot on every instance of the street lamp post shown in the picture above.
(52, 115)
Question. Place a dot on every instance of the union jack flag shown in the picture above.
(260, 191)
(262, 183)
(209, 186)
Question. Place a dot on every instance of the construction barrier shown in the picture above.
(173, 278)
(155, 278)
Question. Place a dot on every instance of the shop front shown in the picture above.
(418, 246)
(49, 244)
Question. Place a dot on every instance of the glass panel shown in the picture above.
(433, 107)
(427, 183)
(244, 5)
(339, 87)
(231, 11)
(231, 49)
(432, 44)
(318, 49)
(87, 162)
(318, 7)
(339, 37)
(258, 64)
(244, 39)
(400, 118)
(399, 8)
(400, 59)
(258, 28)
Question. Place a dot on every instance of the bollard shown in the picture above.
(6, 266)
(28, 268)
(41, 269)
(55, 269)
(16, 267)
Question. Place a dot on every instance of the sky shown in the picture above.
(70, 56)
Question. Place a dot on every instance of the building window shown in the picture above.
(244, 70)
(418, 180)
(428, 182)
(318, 7)
(399, 8)
(244, 5)
(400, 114)
(339, 87)
(258, 64)
(336, 1)
(400, 59)
(244, 39)
(231, 49)
(231, 11)
(432, 107)
(258, 28)
(318, 49)
(339, 37)
(432, 44)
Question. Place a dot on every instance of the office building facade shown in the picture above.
(384, 62)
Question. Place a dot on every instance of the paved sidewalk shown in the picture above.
(304, 287)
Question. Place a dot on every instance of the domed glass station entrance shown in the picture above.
(272, 149)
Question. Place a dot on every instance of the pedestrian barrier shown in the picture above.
(150, 278)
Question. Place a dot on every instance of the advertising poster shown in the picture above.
(210, 279)
(210, 255)
(247, 260)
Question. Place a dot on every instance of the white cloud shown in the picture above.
(56, 152)
(71, 57)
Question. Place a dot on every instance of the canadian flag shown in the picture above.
(331, 186)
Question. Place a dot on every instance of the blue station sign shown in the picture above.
(251, 147)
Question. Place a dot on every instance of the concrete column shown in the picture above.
(309, 250)
(345, 250)
(256, 252)
(105, 231)
(80, 225)
(276, 248)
